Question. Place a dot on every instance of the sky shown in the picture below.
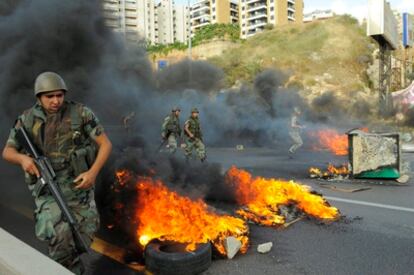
(357, 8)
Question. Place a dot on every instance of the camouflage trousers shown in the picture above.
(297, 141)
(50, 225)
(172, 144)
(197, 145)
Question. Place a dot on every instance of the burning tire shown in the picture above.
(172, 258)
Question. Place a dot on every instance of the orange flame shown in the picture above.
(261, 198)
(333, 141)
(166, 215)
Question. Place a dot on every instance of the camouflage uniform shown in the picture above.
(197, 141)
(171, 130)
(65, 138)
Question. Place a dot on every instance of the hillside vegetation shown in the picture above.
(334, 53)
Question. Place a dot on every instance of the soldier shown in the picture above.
(171, 129)
(70, 135)
(194, 136)
(294, 131)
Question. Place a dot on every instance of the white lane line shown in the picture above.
(386, 206)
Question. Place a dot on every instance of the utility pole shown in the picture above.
(190, 73)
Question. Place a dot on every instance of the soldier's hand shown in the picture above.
(85, 180)
(29, 166)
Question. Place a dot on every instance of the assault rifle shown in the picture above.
(48, 179)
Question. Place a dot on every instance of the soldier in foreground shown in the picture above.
(194, 140)
(171, 130)
(73, 140)
(294, 131)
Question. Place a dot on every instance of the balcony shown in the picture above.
(256, 15)
(253, 32)
(291, 2)
(200, 14)
(291, 18)
(194, 27)
(257, 24)
(256, 7)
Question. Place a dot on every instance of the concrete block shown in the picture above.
(17, 258)
(264, 247)
(232, 246)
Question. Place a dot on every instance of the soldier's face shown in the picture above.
(177, 113)
(52, 101)
(195, 115)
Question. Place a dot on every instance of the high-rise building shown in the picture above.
(205, 12)
(165, 15)
(256, 14)
(140, 20)
(181, 24)
(133, 18)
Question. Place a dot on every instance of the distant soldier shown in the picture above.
(194, 136)
(294, 131)
(128, 122)
(171, 129)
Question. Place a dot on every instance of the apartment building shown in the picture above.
(165, 20)
(161, 22)
(256, 14)
(205, 12)
(133, 18)
(181, 24)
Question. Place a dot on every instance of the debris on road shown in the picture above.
(333, 172)
(286, 225)
(264, 247)
(232, 246)
(240, 147)
(345, 190)
(403, 179)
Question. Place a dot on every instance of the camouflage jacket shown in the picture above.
(194, 127)
(58, 135)
(171, 125)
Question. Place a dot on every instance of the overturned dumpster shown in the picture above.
(374, 156)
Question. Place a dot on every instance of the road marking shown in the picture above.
(386, 206)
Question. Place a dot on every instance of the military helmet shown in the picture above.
(194, 110)
(48, 82)
(175, 109)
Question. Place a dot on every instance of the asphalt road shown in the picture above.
(376, 237)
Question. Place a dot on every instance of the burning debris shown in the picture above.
(162, 214)
(165, 215)
(332, 172)
(261, 198)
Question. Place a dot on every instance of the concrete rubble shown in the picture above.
(264, 247)
(232, 246)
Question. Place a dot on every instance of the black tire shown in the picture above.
(169, 258)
